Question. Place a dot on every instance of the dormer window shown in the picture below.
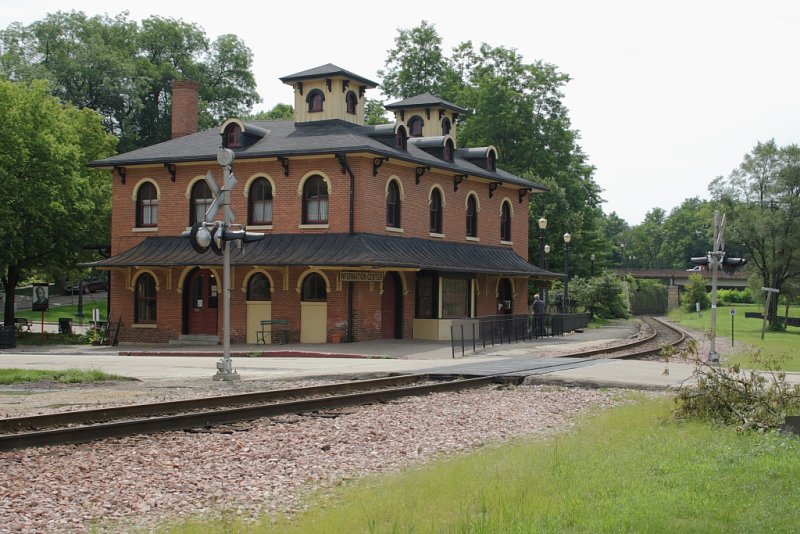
(352, 102)
(233, 136)
(446, 125)
(491, 162)
(448, 151)
(415, 125)
(314, 100)
(401, 138)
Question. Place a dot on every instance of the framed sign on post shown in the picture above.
(41, 297)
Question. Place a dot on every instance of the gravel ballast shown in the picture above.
(267, 465)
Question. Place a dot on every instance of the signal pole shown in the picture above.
(716, 255)
(225, 369)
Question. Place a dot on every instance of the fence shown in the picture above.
(506, 329)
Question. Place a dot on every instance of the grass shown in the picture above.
(784, 344)
(71, 310)
(631, 469)
(35, 338)
(66, 376)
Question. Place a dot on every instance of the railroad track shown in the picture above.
(88, 425)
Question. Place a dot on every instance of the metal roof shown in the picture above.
(424, 100)
(335, 250)
(287, 139)
(328, 70)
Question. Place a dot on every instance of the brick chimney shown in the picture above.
(185, 107)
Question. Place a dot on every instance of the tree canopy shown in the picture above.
(53, 204)
(123, 69)
(761, 201)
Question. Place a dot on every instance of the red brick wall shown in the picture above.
(369, 217)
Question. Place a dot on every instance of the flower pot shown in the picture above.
(336, 338)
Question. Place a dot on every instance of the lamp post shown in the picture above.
(565, 302)
(542, 222)
(622, 246)
(546, 290)
(592, 257)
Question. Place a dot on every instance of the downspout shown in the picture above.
(350, 312)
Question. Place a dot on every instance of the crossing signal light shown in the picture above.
(729, 265)
(700, 260)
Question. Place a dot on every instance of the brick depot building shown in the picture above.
(386, 231)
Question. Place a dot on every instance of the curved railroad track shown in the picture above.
(88, 425)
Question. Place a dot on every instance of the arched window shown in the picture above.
(201, 199)
(145, 299)
(415, 125)
(315, 201)
(147, 205)
(314, 289)
(491, 162)
(259, 202)
(446, 125)
(448, 151)
(436, 211)
(393, 205)
(258, 287)
(401, 138)
(352, 102)
(505, 222)
(472, 216)
(233, 136)
(315, 99)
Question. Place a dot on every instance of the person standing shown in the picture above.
(538, 316)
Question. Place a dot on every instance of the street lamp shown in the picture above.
(622, 246)
(546, 290)
(592, 257)
(565, 302)
(542, 222)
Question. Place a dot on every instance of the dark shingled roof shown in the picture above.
(424, 100)
(326, 71)
(335, 250)
(287, 139)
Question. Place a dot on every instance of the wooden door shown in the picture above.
(203, 302)
(390, 307)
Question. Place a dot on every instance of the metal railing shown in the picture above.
(506, 329)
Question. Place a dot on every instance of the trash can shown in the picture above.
(8, 337)
(64, 325)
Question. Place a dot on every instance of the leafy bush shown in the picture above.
(649, 296)
(734, 296)
(747, 399)
(696, 292)
(601, 295)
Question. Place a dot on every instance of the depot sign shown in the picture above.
(360, 276)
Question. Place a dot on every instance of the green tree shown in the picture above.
(602, 295)
(686, 233)
(124, 70)
(417, 65)
(761, 201)
(278, 112)
(374, 112)
(696, 292)
(53, 204)
(647, 239)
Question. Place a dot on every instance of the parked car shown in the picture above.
(89, 286)
(696, 268)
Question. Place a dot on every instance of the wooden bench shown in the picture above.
(22, 322)
(275, 329)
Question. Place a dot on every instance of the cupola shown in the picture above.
(427, 115)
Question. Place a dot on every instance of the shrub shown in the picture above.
(747, 399)
(734, 296)
(696, 292)
(601, 295)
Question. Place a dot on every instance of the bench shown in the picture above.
(22, 322)
(275, 329)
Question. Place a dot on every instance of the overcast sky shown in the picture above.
(666, 95)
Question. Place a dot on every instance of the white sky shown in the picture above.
(666, 95)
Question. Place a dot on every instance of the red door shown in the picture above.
(390, 301)
(203, 300)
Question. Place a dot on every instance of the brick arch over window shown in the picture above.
(314, 190)
(146, 196)
(394, 197)
(251, 274)
(258, 287)
(506, 214)
(436, 204)
(315, 101)
(305, 281)
(145, 287)
(260, 193)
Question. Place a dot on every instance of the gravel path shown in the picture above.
(268, 465)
